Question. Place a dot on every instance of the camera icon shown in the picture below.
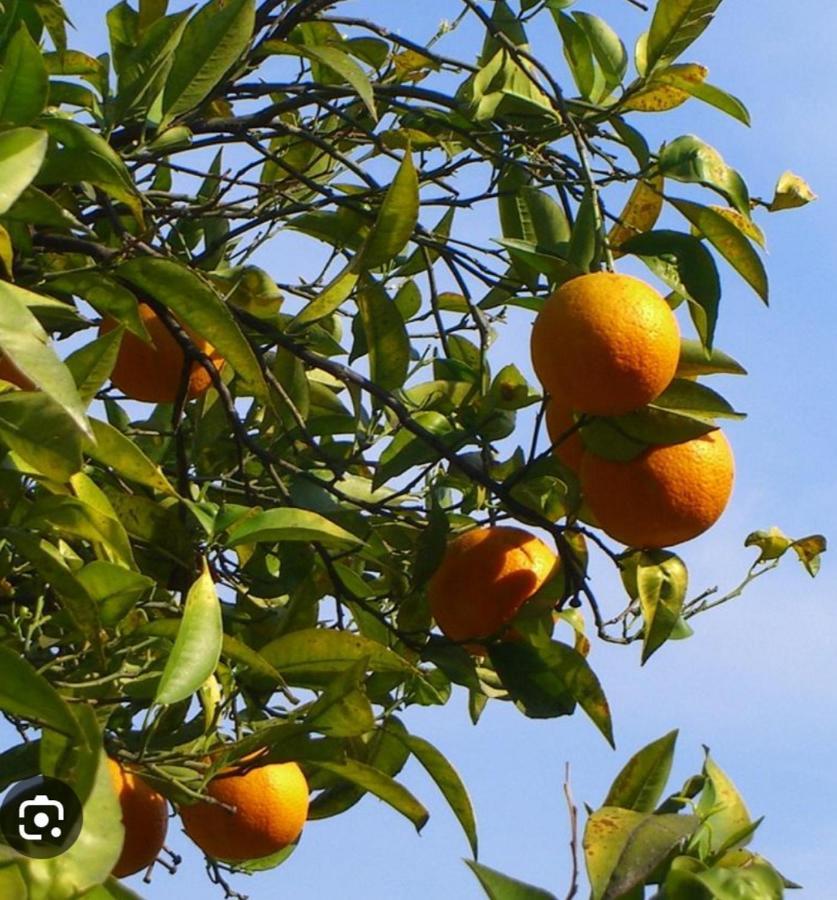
(40, 813)
(40, 817)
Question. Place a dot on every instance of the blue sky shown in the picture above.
(755, 681)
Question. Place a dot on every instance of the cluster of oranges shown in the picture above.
(603, 345)
(253, 811)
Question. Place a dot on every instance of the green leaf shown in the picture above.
(22, 153)
(578, 53)
(686, 266)
(343, 709)
(289, 524)
(87, 156)
(92, 364)
(115, 450)
(406, 449)
(417, 262)
(313, 656)
(382, 786)
(708, 93)
(757, 881)
(675, 26)
(28, 695)
(583, 250)
(335, 293)
(143, 68)
(662, 581)
(197, 648)
(722, 811)
(622, 847)
(348, 70)
(607, 48)
(728, 240)
(106, 295)
(52, 567)
(498, 886)
(199, 308)
(696, 361)
(89, 860)
(690, 160)
(41, 433)
(691, 398)
(548, 681)
(214, 39)
(449, 783)
(115, 588)
(396, 220)
(26, 344)
(386, 337)
(643, 778)
(24, 83)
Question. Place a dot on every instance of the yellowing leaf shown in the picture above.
(741, 222)
(660, 94)
(640, 213)
(791, 192)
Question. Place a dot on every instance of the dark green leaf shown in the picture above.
(691, 160)
(548, 681)
(585, 242)
(696, 361)
(288, 524)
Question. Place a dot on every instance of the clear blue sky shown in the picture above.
(755, 683)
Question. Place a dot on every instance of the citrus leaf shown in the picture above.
(28, 695)
(382, 786)
(41, 433)
(341, 63)
(640, 213)
(117, 451)
(662, 581)
(450, 784)
(691, 160)
(695, 361)
(721, 809)
(643, 778)
(622, 847)
(197, 648)
(199, 307)
(106, 295)
(24, 83)
(92, 364)
(667, 89)
(333, 295)
(675, 26)
(213, 40)
(22, 153)
(314, 655)
(498, 886)
(791, 192)
(548, 681)
(386, 337)
(289, 524)
(728, 240)
(396, 220)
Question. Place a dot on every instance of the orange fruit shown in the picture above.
(605, 344)
(484, 578)
(664, 496)
(271, 806)
(10, 372)
(152, 372)
(145, 817)
(559, 420)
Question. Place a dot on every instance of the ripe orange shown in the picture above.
(152, 373)
(559, 420)
(484, 578)
(10, 372)
(605, 344)
(145, 817)
(271, 806)
(664, 496)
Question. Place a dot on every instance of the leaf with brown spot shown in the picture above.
(640, 213)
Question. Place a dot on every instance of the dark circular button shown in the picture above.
(40, 817)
